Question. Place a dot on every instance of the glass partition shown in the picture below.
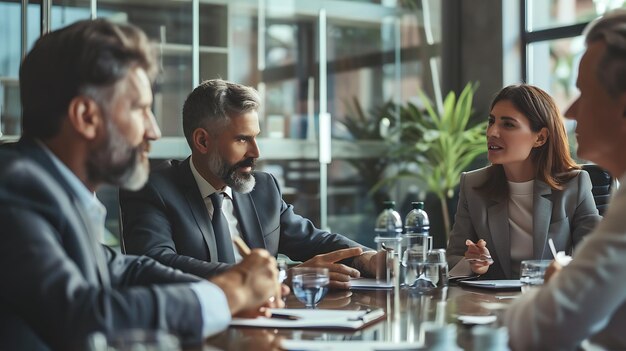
(377, 51)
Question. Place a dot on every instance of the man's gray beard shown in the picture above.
(118, 163)
(240, 182)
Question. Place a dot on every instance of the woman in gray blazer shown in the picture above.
(532, 191)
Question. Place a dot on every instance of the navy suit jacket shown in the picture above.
(61, 285)
(168, 220)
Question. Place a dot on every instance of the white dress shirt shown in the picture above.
(228, 209)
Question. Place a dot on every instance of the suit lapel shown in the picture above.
(497, 216)
(89, 242)
(93, 245)
(542, 212)
(248, 220)
(198, 208)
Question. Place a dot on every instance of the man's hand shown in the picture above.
(251, 286)
(371, 263)
(479, 256)
(339, 274)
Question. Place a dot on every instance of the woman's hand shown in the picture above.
(478, 255)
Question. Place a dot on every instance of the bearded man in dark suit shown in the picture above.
(87, 120)
(172, 219)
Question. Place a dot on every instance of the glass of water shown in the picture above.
(532, 272)
(310, 285)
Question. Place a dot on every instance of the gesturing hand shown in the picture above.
(478, 255)
(339, 274)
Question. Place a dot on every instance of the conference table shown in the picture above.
(403, 321)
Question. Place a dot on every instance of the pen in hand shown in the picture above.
(243, 249)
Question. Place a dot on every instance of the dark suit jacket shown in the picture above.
(564, 215)
(168, 220)
(59, 284)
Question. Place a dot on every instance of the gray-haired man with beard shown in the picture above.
(174, 217)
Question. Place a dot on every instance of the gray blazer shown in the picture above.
(564, 215)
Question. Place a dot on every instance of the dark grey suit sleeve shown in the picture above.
(49, 290)
(462, 229)
(148, 230)
(301, 240)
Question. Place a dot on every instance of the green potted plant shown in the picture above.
(434, 147)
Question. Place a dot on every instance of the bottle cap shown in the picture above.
(389, 204)
(417, 205)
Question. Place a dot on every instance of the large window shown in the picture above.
(553, 42)
(553, 45)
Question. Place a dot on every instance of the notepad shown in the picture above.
(352, 345)
(314, 318)
(368, 284)
(493, 284)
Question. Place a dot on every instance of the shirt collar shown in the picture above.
(205, 187)
(86, 197)
(88, 200)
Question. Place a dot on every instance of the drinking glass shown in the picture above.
(281, 264)
(532, 272)
(428, 274)
(310, 285)
(386, 271)
(414, 246)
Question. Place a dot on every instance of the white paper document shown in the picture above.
(352, 345)
(312, 318)
(493, 284)
(369, 284)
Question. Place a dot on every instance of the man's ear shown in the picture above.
(201, 140)
(85, 116)
(542, 137)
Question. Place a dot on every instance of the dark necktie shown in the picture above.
(225, 251)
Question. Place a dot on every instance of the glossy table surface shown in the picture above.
(402, 322)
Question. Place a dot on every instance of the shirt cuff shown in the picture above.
(215, 312)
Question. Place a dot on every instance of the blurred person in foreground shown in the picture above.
(585, 303)
(87, 120)
(533, 191)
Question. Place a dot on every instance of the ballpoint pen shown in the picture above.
(243, 249)
(284, 316)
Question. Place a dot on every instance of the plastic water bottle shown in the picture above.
(416, 221)
(389, 223)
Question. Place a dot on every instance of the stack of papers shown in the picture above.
(312, 318)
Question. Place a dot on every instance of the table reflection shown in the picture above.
(403, 322)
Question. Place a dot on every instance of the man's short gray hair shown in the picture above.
(213, 103)
(610, 28)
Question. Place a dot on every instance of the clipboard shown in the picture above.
(297, 318)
